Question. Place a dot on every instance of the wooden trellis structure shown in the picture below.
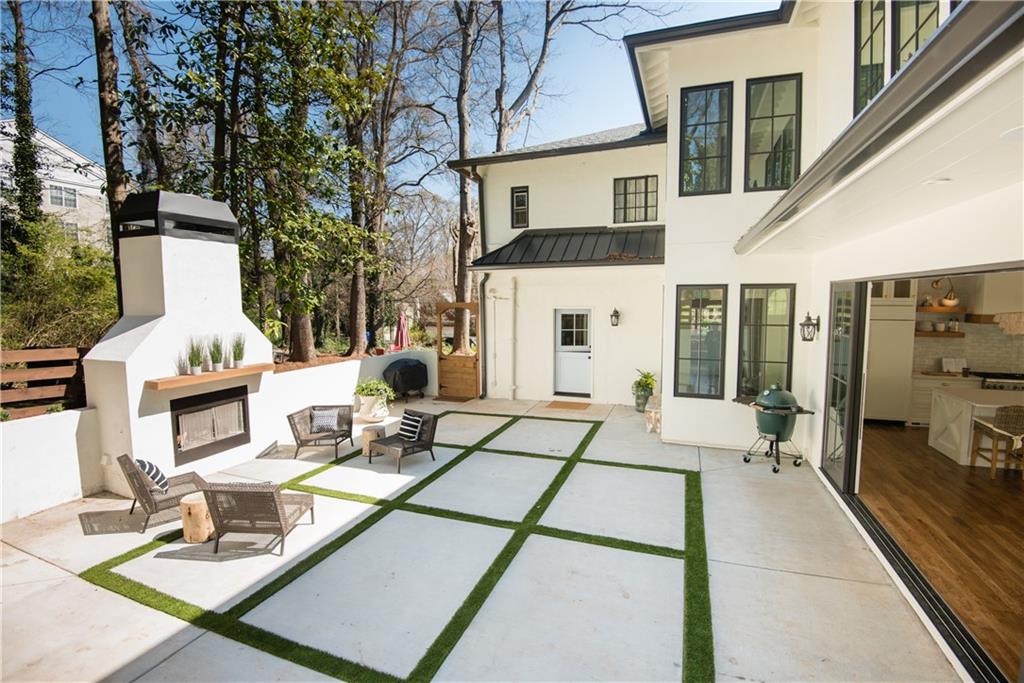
(458, 376)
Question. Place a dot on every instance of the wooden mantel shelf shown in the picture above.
(179, 381)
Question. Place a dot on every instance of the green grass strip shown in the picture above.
(632, 466)
(698, 638)
(610, 542)
(524, 454)
(342, 495)
(323, 468)
(456, 515)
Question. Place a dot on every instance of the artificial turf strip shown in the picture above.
(458, 516)
(610, 542)
(342, 495)
(698, 638)
(636, 466)
(525, 454)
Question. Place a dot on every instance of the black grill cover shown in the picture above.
(405, 375)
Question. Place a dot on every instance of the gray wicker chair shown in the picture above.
(149, 497)
(400, 448)
(300, 422)
(255, 509)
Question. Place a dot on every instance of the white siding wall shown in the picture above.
(519, 344)
(570, 191)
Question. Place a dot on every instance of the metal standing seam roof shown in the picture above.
(599, 246)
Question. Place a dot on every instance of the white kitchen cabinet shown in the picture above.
(922, 387)
(894, 292)
(890, 365)
(952, 419)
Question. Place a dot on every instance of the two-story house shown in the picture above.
(72, 186)
(787, 160)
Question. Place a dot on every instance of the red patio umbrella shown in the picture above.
(401, 334)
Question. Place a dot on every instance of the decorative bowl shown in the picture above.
(925, 326)
(951, 302)
(940, 327)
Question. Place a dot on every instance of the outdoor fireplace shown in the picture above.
(209, 423)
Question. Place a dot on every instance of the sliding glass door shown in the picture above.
(845, 337)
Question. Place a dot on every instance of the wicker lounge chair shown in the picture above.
(300, 423)
(149, 497)
(400, 448)
(255, 509)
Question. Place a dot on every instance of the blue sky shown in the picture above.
(584, 71)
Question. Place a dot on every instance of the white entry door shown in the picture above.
(572, 351)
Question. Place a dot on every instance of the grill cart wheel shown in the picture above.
(775, 469)
(746, 458)
(797, 463)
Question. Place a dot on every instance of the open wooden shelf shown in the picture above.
(980, 319)
(941, 309)
(922, 333)
(178, 381)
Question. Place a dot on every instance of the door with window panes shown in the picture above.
(572, 352)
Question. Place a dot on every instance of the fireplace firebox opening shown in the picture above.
(209, 423)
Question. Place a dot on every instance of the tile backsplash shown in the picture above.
(985, 347)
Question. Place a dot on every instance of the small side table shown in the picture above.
(195, 518)
(371, 434)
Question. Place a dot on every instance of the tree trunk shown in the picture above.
(28, 186)
(234, 113)
(357, 292)
(150, 153)
(220, 125)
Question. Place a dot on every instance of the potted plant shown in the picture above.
(643, 389)
(374, 395)
(195, 351)
(217, 352)
(238, 349)
(181, 364)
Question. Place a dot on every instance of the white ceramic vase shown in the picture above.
(196, 370)
(218, 367)
(372, 408)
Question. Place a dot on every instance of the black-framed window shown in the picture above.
(636, 199)
(869, 56)
(705, 146)
(766, 338)
(700, 340)
(913, 23)
(521, 207)
(773, 132)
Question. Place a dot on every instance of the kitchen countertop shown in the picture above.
(985, 398)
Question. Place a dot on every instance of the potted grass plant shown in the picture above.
(643, 389)
(237, 349)
(195, 351)
(374, 395)
(217, 352)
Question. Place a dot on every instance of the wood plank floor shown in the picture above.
(964, 531)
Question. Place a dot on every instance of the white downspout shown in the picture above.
(515, 314)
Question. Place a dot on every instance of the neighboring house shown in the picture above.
(815, 161)
(72, 186)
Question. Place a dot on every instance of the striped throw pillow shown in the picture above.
(154, 473)
(410, 428)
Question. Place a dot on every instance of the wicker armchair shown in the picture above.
(300, 422)
(255, 509)
(400, 448)
(149, 497)
(1006, 427)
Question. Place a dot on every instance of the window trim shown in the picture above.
(729, 148)
(894, 56)
(725, 343)
(799, 78)
(645, 178)
(857, 46)
(525, 189)
(791, 286)
(64, 190)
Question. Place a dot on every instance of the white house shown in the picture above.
(72, 185)
(825, 159)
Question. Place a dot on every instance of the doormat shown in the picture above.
(567, 405)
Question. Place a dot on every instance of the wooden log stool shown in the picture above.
(195, 518)
(371, 434)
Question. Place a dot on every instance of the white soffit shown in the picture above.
(960, 152)
(653, 63)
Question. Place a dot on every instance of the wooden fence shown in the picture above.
(32, 381)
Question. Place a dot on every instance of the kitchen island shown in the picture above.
(952, 418)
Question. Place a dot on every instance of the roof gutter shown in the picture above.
(472, 162)
(697, 30)
(975, 38)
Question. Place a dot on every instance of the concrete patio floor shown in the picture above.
(485, 564)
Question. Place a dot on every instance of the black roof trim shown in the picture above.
(701, 28)
(976, 37)
(565, 247)
(641, 140)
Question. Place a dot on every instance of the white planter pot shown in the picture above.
(218, 367)
(196, 370)
(372, 408)
(229, 362)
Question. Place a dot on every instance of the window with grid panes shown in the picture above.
(766, 336)
(913, 23)
(869, 27)
(773, 132)
(636, 199)
(520, 207)
(700, 340)
(705, 140)
(63, 196)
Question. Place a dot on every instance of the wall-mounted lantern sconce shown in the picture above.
(615, 317)
(809, 327)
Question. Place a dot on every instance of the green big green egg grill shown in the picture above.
(775, 412)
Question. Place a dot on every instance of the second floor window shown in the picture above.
(63, 196)
(773, 132)
(913, 23)
(636, 199)
(869, 21)
(706, 139)
(520, 207)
